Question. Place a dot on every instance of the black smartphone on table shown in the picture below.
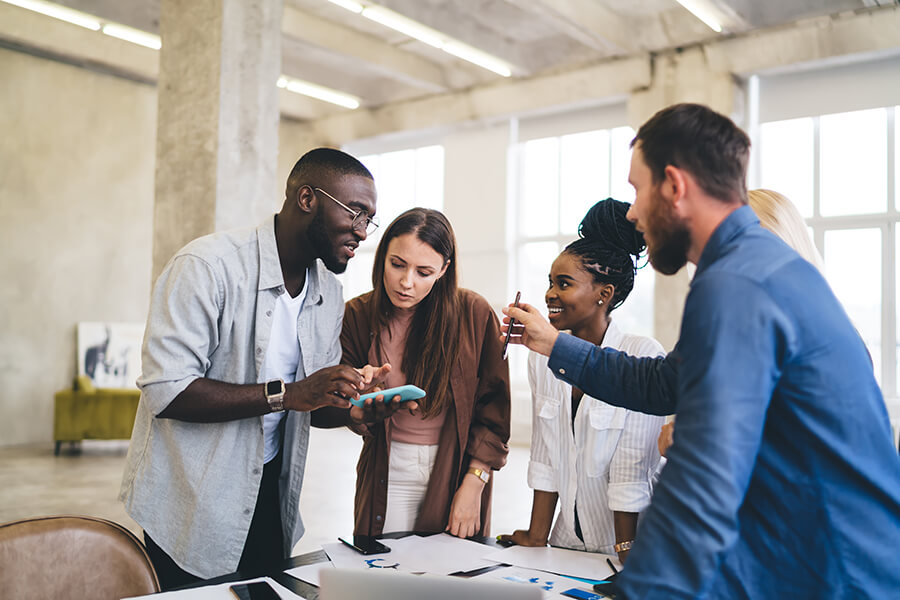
(257, 590)
(366, 544)
(607, 588)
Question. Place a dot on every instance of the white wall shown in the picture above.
(475, 190)
(76, 218)
(475, 200)
(76, 198)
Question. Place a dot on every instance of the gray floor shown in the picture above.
(34, 482)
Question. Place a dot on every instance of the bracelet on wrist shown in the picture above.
(481, 474)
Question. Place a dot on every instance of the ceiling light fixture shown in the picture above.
(354, 7)
(58, 12)
(406, 26)
(703, 13)
(135, 36)
(318, 92)
(477, 57)
(434, 38)
(150, 40)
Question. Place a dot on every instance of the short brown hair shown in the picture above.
(701, 141)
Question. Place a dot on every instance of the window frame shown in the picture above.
(885, 221)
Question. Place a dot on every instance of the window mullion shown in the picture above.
(889, 289)
(888, 311)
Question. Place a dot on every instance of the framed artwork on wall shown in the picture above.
(110, 353)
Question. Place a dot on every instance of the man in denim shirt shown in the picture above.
(242, 341)
(782, 481)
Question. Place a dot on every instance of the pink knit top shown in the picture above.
(403, 426)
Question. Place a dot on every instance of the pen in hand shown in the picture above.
(512, 322)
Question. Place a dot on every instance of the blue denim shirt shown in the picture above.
(193, 486)
(783, 480)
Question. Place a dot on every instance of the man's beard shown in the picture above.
(668, 237)
(323, 245)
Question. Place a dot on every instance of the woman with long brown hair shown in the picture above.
(428, 469)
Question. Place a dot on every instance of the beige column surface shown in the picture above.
(217, 133)
(684, 76)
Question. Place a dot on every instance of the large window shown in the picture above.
(558, 180)
(404, 179)
(841, 171)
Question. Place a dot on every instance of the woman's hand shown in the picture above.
(465, 510)
(375, 409)
(523, 537)
(373, 377)
(666, 438)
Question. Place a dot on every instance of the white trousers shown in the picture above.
(409, 470)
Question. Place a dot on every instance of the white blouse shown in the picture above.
(606, 464)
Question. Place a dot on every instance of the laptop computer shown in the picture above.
(354, 584)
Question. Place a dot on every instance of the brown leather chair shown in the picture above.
(74, 557)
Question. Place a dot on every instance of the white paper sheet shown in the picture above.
(551, 584)
(310, 573)
(574, 563)
(218, 592)
(440, 554)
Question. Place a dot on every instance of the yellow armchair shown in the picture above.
(86, 412)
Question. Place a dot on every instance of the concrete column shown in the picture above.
(682, 77)
(217, 133)
(475, 188)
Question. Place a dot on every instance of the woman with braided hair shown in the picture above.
(593, 458)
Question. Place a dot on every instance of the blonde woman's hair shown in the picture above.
(779, 215)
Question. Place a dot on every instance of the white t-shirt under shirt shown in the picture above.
(282, 359)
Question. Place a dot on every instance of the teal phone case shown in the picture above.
(406, 392)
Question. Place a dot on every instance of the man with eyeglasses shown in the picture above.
(242, 342)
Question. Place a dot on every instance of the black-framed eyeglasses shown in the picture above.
(361, 219)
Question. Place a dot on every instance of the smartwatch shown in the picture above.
(275, 395)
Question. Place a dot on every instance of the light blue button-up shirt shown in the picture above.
(783, 481)
(193, 486)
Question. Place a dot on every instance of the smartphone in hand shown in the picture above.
(406, 393)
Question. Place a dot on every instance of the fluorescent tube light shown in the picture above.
(398, 22)
(434, 38)
(58, 12)
(354, 7)
(135, 36)
(701, 13)
(318, 92)
(477, 57)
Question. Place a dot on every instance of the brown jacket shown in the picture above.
(477, 422)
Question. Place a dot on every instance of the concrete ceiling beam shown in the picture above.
(24, 29)
(587, 21)
(372, 52)
(839, 37)
(602, 82)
